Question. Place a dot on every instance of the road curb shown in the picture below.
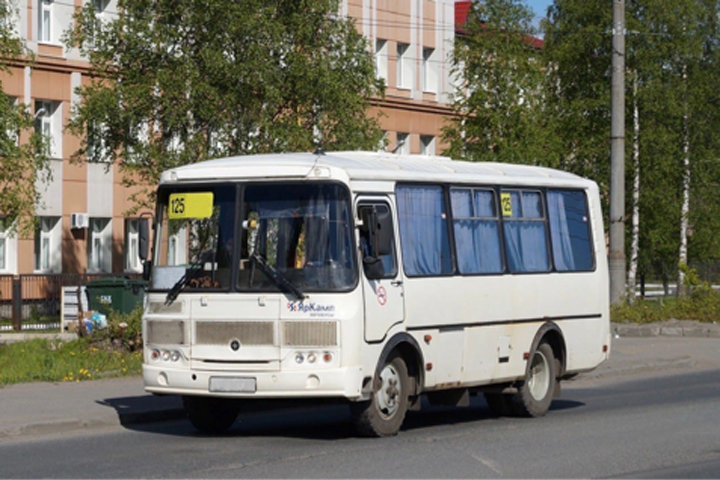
(51, 427)
(667, 329)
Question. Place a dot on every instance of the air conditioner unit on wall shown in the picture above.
(79, 220)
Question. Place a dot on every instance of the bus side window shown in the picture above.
(368, 243)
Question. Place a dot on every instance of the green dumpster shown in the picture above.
(115, 293)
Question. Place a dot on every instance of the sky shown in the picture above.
(540, 8)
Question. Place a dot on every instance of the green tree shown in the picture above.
(179, 81)
(672, 61)
(577, 47)
(22, 150)
(499, 104)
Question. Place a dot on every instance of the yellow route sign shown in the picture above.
(506, 204)
(190, 205)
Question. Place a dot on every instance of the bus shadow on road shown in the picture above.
(326, 422)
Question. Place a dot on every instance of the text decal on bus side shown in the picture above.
(506, 204)
(190, 205)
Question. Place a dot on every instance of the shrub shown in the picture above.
(124, 331)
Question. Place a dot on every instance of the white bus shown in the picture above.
(374, 279)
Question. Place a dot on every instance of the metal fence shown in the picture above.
(34, 302)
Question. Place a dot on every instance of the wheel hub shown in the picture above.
(539, 377)
(389, 391)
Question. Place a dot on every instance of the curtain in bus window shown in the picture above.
(423, 230)
(525, 239)
(526, 246)
(569, 231)
(476, 239)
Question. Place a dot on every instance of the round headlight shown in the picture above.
(165, 355)
(175, 356)
(311, 358)
(299, 358)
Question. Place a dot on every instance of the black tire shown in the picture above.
(535, 393)
(499, 403)
(384, 414)
(210, 415)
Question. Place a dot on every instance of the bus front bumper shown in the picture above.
(337, 382)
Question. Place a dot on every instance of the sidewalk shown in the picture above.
(50, 408)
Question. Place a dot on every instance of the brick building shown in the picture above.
(82, 227)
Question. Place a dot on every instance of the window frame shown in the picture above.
(448, 229)
(45, 19)
(132, 262)
(498, 218)
(44, 243)
(402, 81)
(381, 59)
(591, 238)
(104, 237)
(544, 220)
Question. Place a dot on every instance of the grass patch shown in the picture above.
(56, 361)
(114, 351)
(702, 305)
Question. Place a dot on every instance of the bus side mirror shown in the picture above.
(373, 268)
(144, 239)
(144, 247)
(384, 232)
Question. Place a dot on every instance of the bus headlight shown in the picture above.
(299, 358)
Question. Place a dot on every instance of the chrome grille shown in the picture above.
(166, 332)
(162, 308)
(221, 333)
(310, 334)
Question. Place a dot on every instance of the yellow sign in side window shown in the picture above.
(190, 205)
(506, 204)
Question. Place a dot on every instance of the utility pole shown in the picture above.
(616, 255)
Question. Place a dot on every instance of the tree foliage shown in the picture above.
(22, 150)
(672, 57)
(177, 82)
(500, 113)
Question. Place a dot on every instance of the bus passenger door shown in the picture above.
(381, 278)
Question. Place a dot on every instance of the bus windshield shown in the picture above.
(293, 238)
(302, 232)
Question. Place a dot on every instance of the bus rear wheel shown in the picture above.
(384, 414)
(536, 392)
(210, 415)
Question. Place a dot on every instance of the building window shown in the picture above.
(402, 147)
(381, 59)
(429, 71)
(47, 245)
(4, 241)
(427, 145)
(404, 67)
(45, 13)
(48, 122)
(132, 245)
(99, 248)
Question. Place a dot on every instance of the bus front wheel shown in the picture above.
(210, 415)
(384, 414)
(536, 393)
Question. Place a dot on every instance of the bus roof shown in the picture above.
(366, 166)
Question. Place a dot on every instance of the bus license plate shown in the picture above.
(233, 384)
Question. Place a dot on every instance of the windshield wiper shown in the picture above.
(191, 272)
(276, 276)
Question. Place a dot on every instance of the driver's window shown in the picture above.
(367, 242)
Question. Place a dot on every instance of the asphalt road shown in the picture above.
(660, 427)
